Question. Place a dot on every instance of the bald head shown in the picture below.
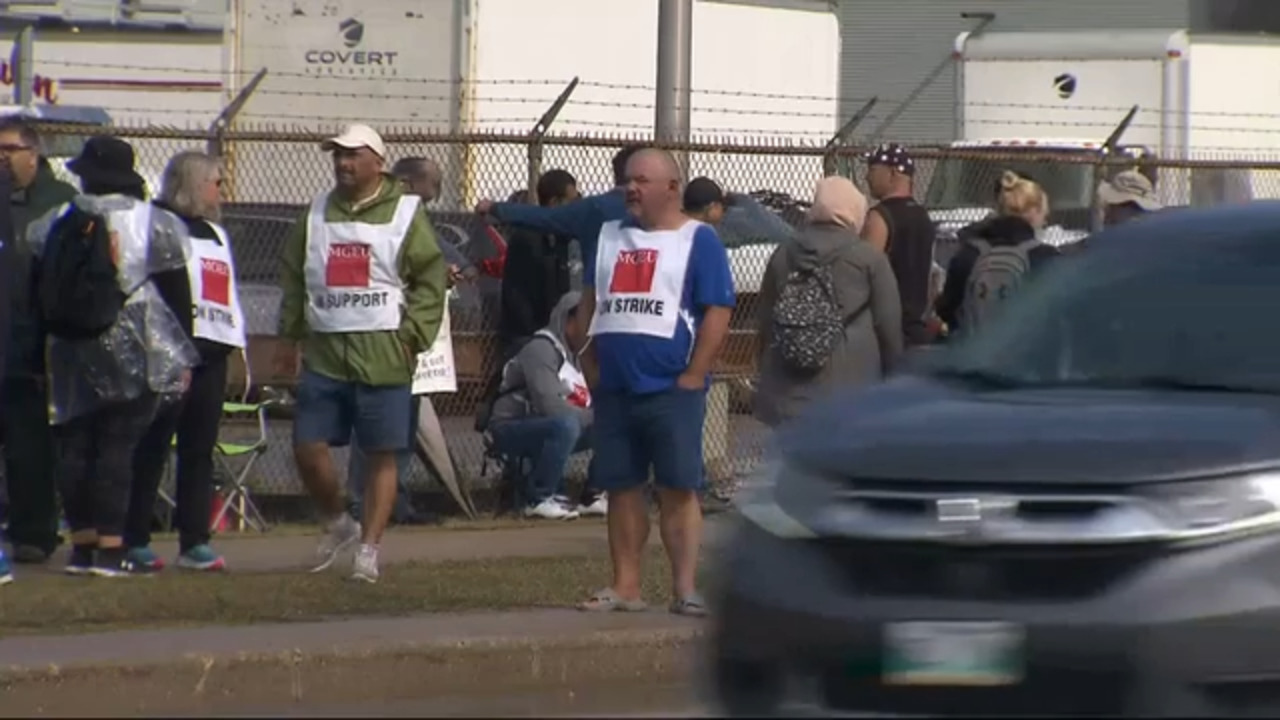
(421, 176)
(657, 163)
(653, 188)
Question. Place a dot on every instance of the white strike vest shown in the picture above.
(216, 312)
(353, 284)
(574, 382)
(640, 278)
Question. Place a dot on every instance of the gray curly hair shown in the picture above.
(182, 180)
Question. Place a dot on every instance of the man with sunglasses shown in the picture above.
(28, 442)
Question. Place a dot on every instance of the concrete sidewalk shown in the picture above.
(252, 552)
(268, 668)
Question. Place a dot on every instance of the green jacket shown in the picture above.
(371, 358)
(26, 349)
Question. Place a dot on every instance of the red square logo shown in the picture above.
(215, 281)
(579, 397)
(633, 271)
(347, 265)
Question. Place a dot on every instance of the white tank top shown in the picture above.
(353, 284)
(216, 312)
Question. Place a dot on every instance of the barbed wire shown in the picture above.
(420, 79)
(443, 121)
(702, 141)
(560, 83)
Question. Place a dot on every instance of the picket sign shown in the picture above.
(436, 372)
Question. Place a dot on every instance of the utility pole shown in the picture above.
(672, 100)
(22, 60)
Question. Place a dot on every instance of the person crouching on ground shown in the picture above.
(110, 301)
(192, 189)
(543, 410)
(659, 296)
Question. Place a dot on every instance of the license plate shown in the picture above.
(952, 653)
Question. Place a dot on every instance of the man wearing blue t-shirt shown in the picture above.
(660, 295)
(579, 219)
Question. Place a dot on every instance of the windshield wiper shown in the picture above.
(1174, 382)
(979, 378)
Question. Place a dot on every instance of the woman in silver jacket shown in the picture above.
(104, 391)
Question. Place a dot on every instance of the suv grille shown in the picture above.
(993, 573)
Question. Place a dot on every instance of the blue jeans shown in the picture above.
(548, 442)
(403, 511)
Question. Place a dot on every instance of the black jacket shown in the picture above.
(175, 287)
(998, 231)
(8, 239)
(534, 277)
(24, 343)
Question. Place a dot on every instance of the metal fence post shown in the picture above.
(539, 131)
(1101, 168)
(984, 19)
(22, 65)
(217, 144)
(830, 154)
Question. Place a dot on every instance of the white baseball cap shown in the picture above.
(357, 136)
(1129, 186)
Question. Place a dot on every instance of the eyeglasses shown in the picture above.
(14, 149)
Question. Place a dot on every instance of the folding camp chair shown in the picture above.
(234, 459)
(514, 475)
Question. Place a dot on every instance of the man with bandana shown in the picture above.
(901, 228)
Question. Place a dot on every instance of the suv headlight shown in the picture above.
(1219, 506)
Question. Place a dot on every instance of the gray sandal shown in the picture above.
(689, 606)
(607, 600)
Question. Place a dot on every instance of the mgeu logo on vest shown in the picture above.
(215, 281)
(347, 265)
(633, 271)
(579, 396)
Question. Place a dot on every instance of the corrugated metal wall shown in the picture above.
(888, 47)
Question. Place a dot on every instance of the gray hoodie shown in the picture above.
(531, 384)
(868, 297)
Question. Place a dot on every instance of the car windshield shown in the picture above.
(1188, 319)
(747, 222)
(970, 182)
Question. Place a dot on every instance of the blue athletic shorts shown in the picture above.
(332, 411)
(662, 432)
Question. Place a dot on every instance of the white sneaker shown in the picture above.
(550, 509)
(340, 535)
(365, 567)
(598, 507)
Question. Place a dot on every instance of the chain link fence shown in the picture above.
(274, 174)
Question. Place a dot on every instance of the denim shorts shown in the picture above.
(332, 411)
(661, 431)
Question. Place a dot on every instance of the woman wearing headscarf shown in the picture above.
(865, 291)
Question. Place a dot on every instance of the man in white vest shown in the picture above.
(660, 294)
(363, 293)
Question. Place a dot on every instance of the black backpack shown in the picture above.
(77, 290)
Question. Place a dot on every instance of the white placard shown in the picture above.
(436, 372)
